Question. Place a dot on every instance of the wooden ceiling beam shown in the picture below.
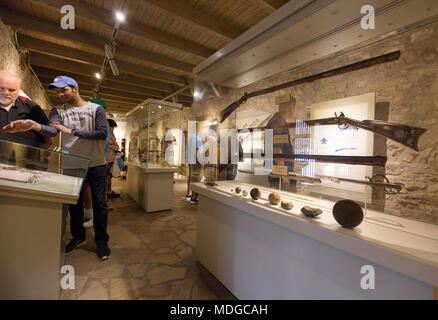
(134, 87)
(45, 60)
(114, 94)
(88, 11)
(194, 17)
(113, 91)
(45, 27)
(268, 5)
(263, 5)
(62, 52)
(120, 95)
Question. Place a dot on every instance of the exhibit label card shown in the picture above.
(281, 138)
(280, 170)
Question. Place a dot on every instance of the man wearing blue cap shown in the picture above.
(83, 128)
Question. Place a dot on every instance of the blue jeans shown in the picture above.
(96, 178)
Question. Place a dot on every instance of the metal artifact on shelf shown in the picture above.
(348, 213)
(389, 188)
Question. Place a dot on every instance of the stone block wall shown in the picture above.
(9, 60)
(407, 88)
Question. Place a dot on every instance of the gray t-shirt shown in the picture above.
(90, 124)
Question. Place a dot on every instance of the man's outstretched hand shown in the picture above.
(61, 128)
(21, 126)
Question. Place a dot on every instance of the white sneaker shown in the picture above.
(88, 224)
(88, 214)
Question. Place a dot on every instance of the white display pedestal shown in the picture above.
(151, 188)
(261, 252)
(31, 250)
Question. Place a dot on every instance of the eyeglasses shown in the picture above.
(7, 89)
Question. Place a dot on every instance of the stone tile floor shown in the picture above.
(153, 254)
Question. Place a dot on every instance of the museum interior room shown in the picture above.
(219, 150)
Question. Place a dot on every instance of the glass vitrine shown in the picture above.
(311, 157)
(154, 136)
(40, 168)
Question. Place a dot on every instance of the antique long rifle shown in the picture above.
(330, 73)
(390, 188)
(401, 133)
(353, 160)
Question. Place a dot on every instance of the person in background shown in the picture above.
(113, 146)
(125, 167)
(83, 127)
(15, 107)
(277, 123)
(195, 168)
(86, 191)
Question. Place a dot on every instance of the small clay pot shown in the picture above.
(287, 205)
(244, 193)
(255, 193)
(348, 213)
(274, 198)
(238, 190)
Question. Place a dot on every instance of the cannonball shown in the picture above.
(348, 213)
(255, 193)
(238, 190)
(274, 198)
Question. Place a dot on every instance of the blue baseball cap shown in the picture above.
(63, 81)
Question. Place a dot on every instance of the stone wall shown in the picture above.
(407, 88)
(9, 60)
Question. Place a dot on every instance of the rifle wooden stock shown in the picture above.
(401, 133)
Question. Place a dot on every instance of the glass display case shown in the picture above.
(307, 159)
(39, 168)
(324, 170)
(154, 136)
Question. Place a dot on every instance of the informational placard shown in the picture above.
(281, 138)
(280, 170)
(282, 99)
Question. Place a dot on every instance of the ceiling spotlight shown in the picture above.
(98, 76)
(120, 16)
(159, 107)
(197, 94)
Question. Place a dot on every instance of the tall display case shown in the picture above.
(313, 182)
(155, 147)
(35, 184)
